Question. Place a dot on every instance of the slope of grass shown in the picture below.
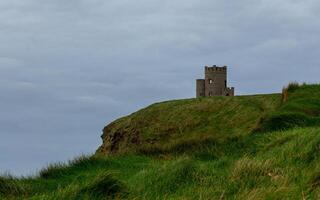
(235, 151)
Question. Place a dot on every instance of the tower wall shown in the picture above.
(215, 81)
(200, 88)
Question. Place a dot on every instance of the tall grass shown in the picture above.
(11, 187)
(56, 170)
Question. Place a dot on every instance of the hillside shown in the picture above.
(169, 124)
(245, 147)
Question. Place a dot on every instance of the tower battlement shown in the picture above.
(215, 68)
(215, 82)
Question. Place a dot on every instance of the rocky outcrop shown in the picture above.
(117, 139)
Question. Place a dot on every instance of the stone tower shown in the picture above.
(215, 83)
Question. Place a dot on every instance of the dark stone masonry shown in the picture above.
(215, 83)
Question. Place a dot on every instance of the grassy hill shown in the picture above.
(245, 147)
(177, 124)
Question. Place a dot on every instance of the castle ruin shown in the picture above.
(215, 83)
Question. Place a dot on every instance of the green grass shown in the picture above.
(247, 147)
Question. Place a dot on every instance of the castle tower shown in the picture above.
(215, 83)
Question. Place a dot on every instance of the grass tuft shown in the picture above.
(53, 170)
(60, 169)
(105, 185)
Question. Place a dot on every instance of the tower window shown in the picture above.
(210, 81)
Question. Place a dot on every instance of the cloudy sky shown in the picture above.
(67, 68)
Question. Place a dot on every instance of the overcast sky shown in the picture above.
(69, 67)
